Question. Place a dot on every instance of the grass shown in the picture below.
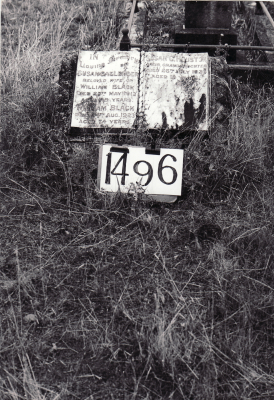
(111, 298)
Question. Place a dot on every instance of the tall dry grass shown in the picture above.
(36, 37)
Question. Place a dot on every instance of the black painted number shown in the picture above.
(123, 159)
(149, 172)
(107, 180)
(161, 168)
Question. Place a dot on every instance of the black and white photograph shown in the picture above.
(137, 200)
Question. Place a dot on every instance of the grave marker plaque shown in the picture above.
(174, 90)
(106, 89)
(167, 91)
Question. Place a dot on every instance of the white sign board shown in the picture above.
(157, 171)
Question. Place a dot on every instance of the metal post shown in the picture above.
(134, 9)
(265, 10)
(204, 46)
(125, 41)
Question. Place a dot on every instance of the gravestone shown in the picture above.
(140, 92)
(154, 90)
(208, 14)
(174, 91)
(106, 89)
(208, 23)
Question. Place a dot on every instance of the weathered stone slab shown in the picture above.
(174, 90)
(172, 93)
(106, 89)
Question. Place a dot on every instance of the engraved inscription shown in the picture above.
(176, 90)
(106, 89)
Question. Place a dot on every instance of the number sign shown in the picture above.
(158, 171)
